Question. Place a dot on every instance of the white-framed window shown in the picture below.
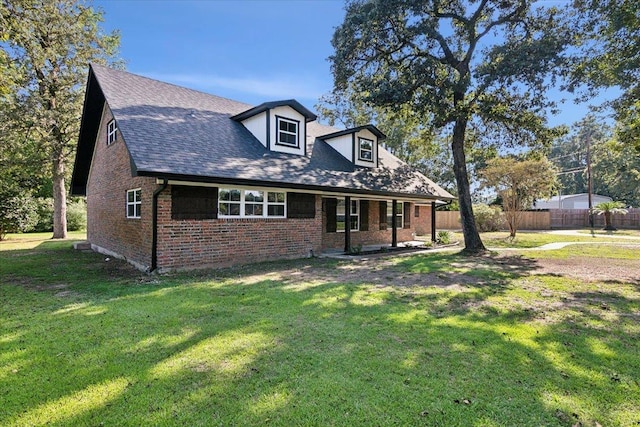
(276, 202)
(399, 215)
(365, 149)
(134, 203)
(229, 202)
(245, 203)
(112, 131)
(287, 132)
(354, 214)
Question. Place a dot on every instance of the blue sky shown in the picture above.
(251, 51)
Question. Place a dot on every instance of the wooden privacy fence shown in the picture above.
(551, 219)
(576, 218)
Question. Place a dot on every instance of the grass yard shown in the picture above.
(434, 340)
(528, 239)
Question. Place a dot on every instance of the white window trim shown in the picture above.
(265, 203)
(112, 132)
(401, 214)
(357, 214)
(360, 149)
(136, 202)
(296, 133)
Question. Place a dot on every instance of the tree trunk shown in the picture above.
(59, 199)
(472, 242)
(607, 222)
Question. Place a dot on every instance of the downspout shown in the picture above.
(154, 225)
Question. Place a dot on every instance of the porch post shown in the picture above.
(347, 224)
(394, 225)
(433, 222)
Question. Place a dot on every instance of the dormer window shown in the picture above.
(112, 131)
(365, 152)
(287, 132)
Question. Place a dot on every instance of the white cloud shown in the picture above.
(269, 88)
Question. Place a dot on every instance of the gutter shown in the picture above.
(154, 225)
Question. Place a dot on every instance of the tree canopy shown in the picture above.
(608, 32)
(615, 168)
(482, 64)
(519, 183)
(50, 44)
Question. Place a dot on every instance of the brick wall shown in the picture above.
(109, 179)
(422, 223)
(374, 236)
(186, 244)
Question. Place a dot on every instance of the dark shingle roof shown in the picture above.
(179, 133)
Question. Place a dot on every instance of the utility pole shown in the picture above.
(589, 181)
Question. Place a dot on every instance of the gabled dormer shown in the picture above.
(359, 145)
(279, 125)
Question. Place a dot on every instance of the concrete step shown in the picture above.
(82, 246)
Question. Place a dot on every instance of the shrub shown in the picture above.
(17, 213)
(77, 215)
(443, 237)
(488, 218)
(44, 211)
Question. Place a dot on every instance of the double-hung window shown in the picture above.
(134, 203)
(399, 215)
(287, 132)
(353, 212)
(112, 131)
(365, 151)
(241, 203)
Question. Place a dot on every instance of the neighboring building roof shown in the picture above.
(569, 201)
(182, 134)
(572, 196)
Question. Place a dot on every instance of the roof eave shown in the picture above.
(297, 186)
(309, 116)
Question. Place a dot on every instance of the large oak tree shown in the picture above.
(609, 56)
(457, 64)
(51, 42)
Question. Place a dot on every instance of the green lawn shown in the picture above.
(436, 340)
(527, 239)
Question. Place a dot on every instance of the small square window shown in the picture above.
(365, 149)
(287, 132)
(112, 132)
(134, 203)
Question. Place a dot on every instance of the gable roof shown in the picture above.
(309, 116)
(371, 128)
(178, 133)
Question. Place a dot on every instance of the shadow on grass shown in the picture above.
(292, 343)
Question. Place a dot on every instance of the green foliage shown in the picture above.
(519, 183)
(488, 218)
(44, 211)
(443, 237)
(456, 65)
(611, 207)
(77, 215)
(51, 43)
(609, 54)
(17, 213)
(615, 166)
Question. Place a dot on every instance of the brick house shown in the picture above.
(179, 179)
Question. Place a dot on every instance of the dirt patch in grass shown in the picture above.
(590, 270)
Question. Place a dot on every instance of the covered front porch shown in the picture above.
(352, 224)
